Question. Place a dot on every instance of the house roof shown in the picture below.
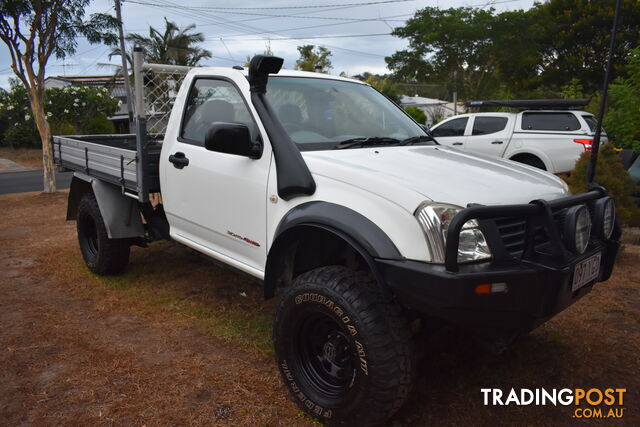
(88, 80)
(420, 101)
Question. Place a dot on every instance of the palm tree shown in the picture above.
(175, 46)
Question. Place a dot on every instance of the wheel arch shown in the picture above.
(344, 235)
(120, 213)
(549, 167)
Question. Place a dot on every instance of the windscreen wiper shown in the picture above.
(366, 141)
(416, 139)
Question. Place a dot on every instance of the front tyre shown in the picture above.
(345, 352)
(101, 254)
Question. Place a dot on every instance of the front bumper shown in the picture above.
(539, 285)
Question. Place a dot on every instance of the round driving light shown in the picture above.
(605, 216)
(577, 228)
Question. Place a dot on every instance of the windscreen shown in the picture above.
(321, 113)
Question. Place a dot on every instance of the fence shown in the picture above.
(156, 87)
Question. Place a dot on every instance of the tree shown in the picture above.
(312, 58)
(577, 38)
(417, 114)
(175, 46)
(623, 119)
(35, 30)
(474, 50)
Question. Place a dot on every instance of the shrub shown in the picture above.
(22, 135)
(417, 114)
(99, 125)
(62, 128)
(610, 174)
(68, 110)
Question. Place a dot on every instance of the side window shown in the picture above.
(212, 101)
(550, 121)
(486, 125)
(453, 127)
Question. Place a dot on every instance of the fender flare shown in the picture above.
(355, 229)
(120, 213)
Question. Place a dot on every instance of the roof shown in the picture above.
(420, 101)
(88, 80)
(533, 104)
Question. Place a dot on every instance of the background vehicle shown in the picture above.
(547, 139)
(331, 196)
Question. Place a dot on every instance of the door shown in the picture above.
(451, 132)
(489, 135)
(217, 201)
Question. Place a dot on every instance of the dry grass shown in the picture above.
(31, 157)
(172, 341)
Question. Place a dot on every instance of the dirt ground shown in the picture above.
(31, 157)
(179, 341)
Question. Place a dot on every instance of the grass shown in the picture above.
(31, 157)
(246, 323)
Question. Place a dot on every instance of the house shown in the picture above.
(114, 84)
(436, 110)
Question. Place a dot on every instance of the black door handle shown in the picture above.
(179, 160)
(497, 142)
(457, 143)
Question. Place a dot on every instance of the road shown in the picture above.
(23, 182)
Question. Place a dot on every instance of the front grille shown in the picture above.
(513, 231)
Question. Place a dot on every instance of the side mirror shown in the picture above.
(232, 138)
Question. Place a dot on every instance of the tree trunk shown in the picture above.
(37, 107)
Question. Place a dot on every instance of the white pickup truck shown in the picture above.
(551, 140)
(340, 204)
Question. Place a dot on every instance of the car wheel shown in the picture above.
(344, 351)
(101, 254)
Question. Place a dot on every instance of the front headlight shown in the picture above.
(434, 218)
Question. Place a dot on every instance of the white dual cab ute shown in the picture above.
(546, 138)
(346, 209)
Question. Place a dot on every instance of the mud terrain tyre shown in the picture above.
(344, 351)
(102, 255)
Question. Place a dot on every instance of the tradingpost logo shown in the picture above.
(588, 403)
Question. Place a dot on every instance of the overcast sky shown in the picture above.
(243, 27)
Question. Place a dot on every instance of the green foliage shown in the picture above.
(573, 89)
(577, 37)
(610, 174)
(99, 125)
(68, 110)
(543, 52)
(622, 122)
(62, 128)
(312, 57)
(417, 114)
(176, 46)
(385, 85)
(473, 50)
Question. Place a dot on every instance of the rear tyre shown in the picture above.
(101, 254)
(531, 160)
(344, 351)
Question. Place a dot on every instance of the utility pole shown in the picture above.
(125, 72)
(455, 93)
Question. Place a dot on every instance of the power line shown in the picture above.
(340, 36)
(282, 7)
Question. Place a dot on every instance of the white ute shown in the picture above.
(551, 140)
(344, 208)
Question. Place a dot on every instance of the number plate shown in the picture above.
(586, 271)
